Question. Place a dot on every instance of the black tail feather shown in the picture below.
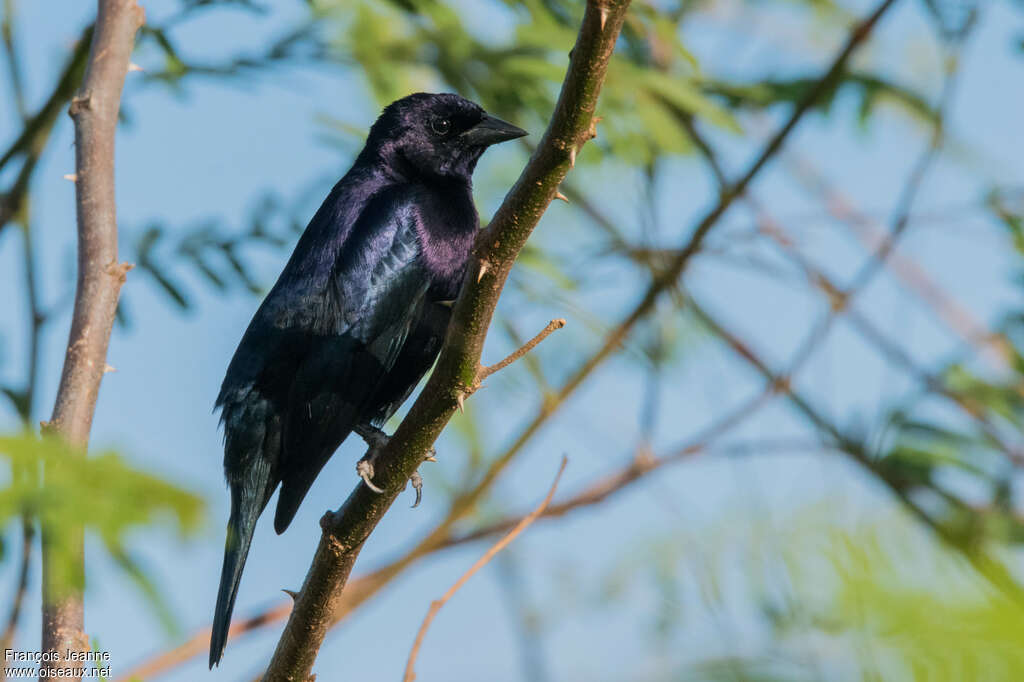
(241, 525)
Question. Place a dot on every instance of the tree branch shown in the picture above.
(94, 110)
(458, 366)
(435, 606)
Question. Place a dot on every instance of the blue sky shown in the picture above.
(211, 151)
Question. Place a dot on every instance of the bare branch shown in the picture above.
(487, 370)
(435, 606)
(100, 276)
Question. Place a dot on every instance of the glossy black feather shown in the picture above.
(356, 317)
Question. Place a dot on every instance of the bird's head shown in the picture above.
(439, 135)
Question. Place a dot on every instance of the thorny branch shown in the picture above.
(100, 276)
(458, 367)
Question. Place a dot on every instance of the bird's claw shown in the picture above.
(417, 484)
(376, 439)
(365, 470)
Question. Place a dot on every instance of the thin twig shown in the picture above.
(435, 606)
(488, 370)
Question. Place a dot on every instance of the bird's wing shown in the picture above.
(426, 335)
(375, 293)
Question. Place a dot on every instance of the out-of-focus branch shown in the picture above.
(436, 605)
(458, 368)
(993, 570)
(840, 300)
(873, 236)
(94, 110)
(9, 36)
(37, 129)
(18, 601)
(911, 188)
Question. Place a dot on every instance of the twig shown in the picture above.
(100, 276)
(488, 370)
(435, 606)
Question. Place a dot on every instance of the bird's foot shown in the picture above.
(417, 484)
(364, 468)
(376, 439)
(417, 480)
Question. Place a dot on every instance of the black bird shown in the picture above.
(356, 318)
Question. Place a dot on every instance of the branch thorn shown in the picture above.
(71, 177)
(132, 66)
(559, 195)
(484, 267)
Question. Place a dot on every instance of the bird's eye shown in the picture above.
(441, 126)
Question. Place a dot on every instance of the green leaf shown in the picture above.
(102, 493)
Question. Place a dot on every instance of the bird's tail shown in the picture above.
(245, 510)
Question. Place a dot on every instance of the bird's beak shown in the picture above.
(492, 130)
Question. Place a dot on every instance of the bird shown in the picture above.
(355, 319)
